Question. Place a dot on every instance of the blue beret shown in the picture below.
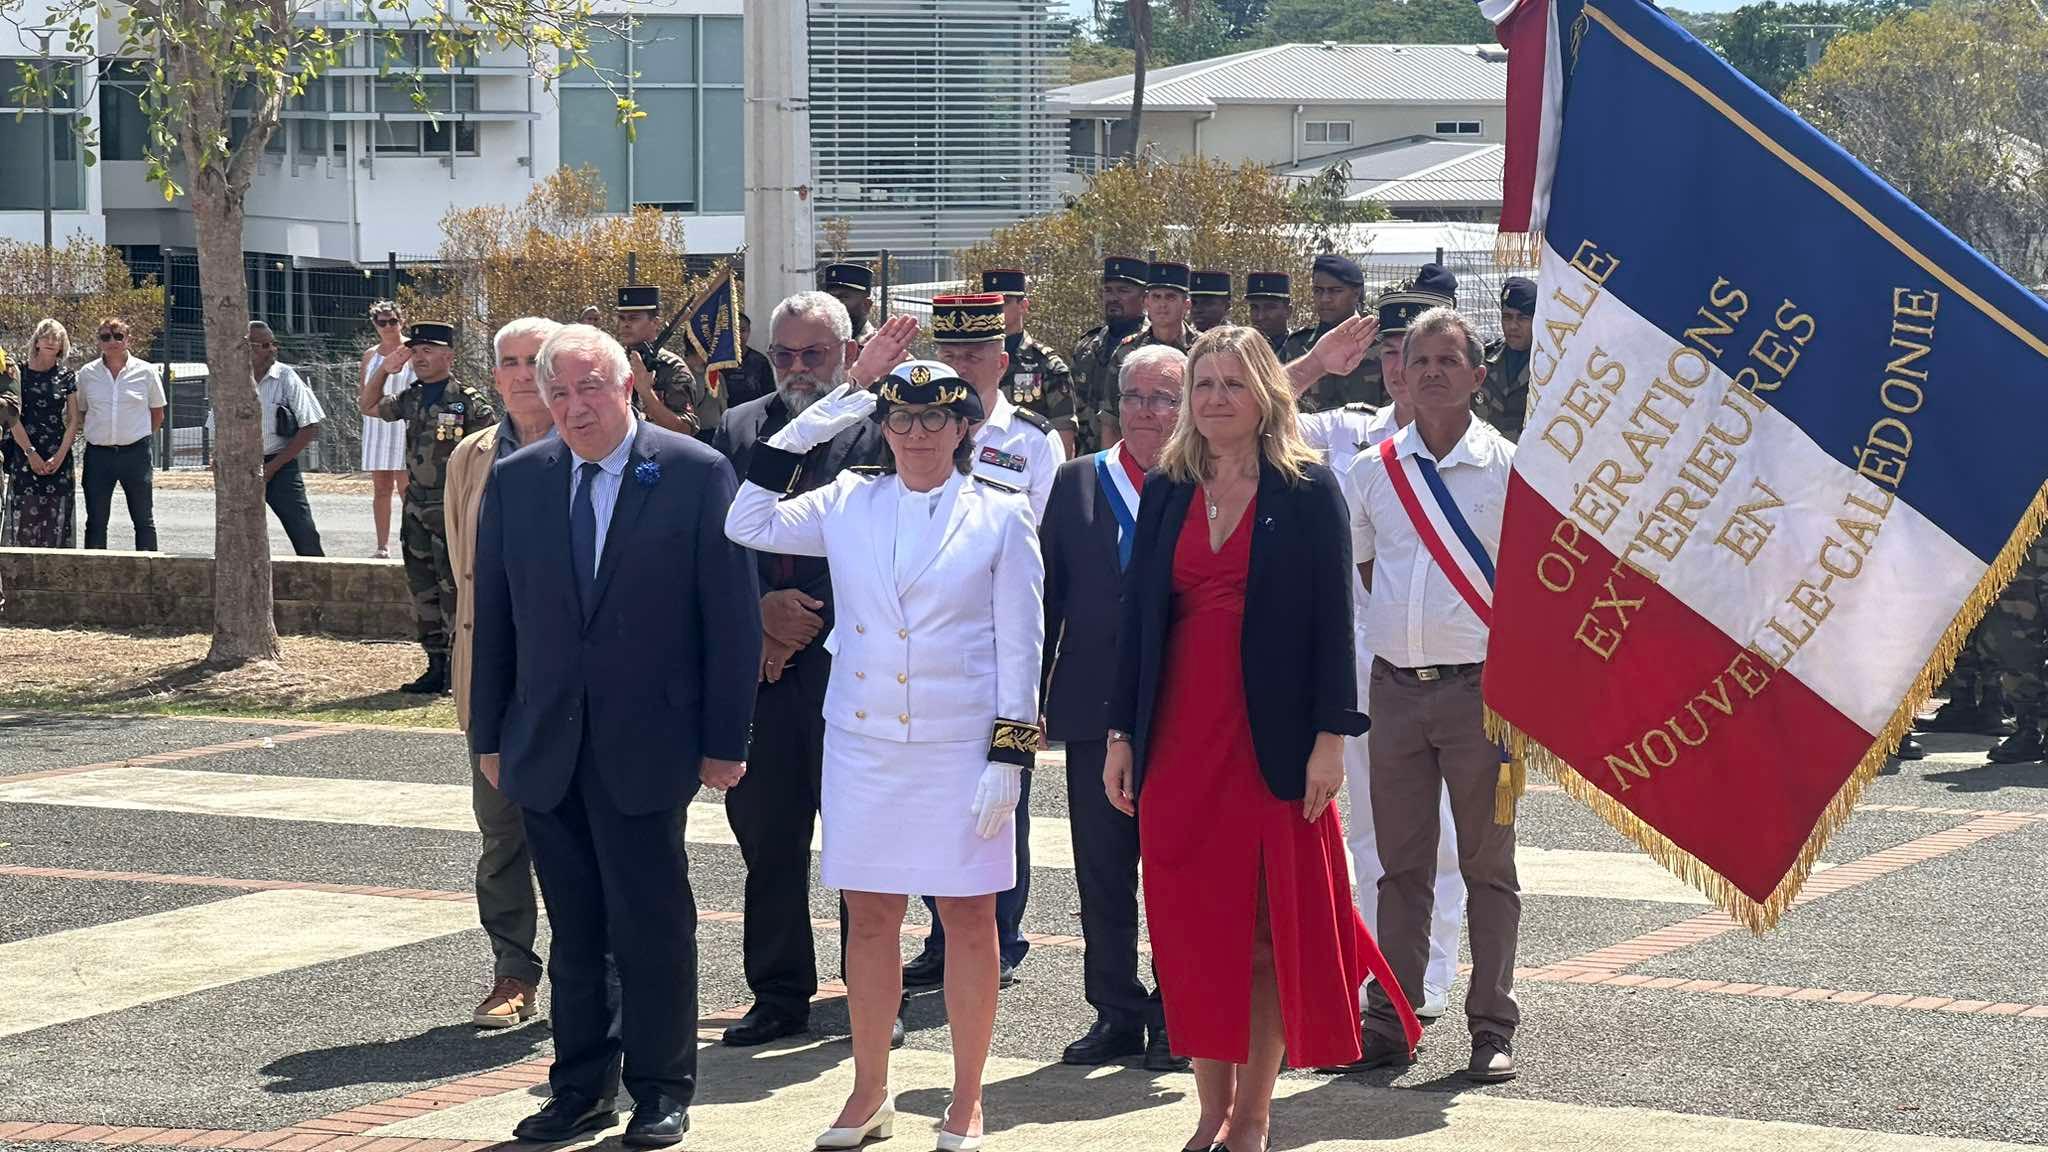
(1341, 268)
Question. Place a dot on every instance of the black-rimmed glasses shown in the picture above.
(900, 420)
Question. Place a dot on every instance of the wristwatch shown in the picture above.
(1117, 736)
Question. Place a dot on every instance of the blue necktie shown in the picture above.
(583, 533)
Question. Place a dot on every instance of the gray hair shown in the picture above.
(1151, 356)
(814, 306)
(256, 326)
(1445, 321)
(49, 329)
(584, 338)
(538, 327)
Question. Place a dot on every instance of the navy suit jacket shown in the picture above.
(658, 671)
(1077, 537)
(1299, 656)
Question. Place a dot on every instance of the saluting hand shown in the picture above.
(1342, 348)
(883, 351)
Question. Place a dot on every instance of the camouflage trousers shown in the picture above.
(2012, 642)
(428, 574)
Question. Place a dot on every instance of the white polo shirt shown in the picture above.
(281, 387)
(1414, 615)
(117, 406)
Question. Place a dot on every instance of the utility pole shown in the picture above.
(781, 213)
(43, 34)
(1815, 41)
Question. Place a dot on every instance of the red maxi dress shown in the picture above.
(1209, 826)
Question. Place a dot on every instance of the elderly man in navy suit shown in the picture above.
(617, 645)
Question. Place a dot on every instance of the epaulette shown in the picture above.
(1034, 419)
(865, 471)
(999, 485)
(1360, 406)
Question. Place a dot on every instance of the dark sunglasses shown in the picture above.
(815, 357)
(112, 337)
(933, 419)
(385, 321)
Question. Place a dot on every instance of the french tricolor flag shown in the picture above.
(1784, 450)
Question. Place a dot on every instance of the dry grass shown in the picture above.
(318, 679)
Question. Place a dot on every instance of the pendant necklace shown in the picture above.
(1212, 509)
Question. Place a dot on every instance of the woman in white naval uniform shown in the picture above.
(931, 711)
(1343, 435)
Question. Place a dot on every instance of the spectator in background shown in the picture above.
(756, 376)
(384, 440)
(291, 420)
(593, 315)
(122, 400)
(39, 413)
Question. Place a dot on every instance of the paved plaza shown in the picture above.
(259, 935)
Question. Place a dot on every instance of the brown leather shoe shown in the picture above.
(510, 1002)
(1493, 1060)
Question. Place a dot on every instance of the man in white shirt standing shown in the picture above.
(291, 420)
(123, 402)
(1426, 526)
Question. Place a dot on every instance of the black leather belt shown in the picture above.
(1430, 673)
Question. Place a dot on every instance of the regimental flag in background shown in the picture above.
(715, 326)
(1783, 452)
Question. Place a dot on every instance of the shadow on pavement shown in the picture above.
(1992, 777)
(451, 1050)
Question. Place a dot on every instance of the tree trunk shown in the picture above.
(244, 627)
(1141, 47)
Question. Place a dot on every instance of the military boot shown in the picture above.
(1910, 749)
(2024, 746)
(1973, 714)
(435, 682)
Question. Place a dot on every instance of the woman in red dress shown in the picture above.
(1234, 691)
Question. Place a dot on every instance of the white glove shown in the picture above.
(996, 798)
(828, 416)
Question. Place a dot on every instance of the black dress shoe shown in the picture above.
(657, 1122)
(1159, 1055)
(1910, 749)
(927, 971)
(1105, 1042)
(564, 1118)
(1006, 975)
(760, 1027)
(1376, 1052)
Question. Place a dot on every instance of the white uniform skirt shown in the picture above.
(384, 440)
(897, 819)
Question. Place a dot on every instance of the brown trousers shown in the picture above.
(1429, 735)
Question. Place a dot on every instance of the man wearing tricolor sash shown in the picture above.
(1425, 528)
(1085, 538)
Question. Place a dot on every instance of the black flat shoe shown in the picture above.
(564, 1118)
(1105, 1042)
(657, 1122)
(1159, 1055)
(927, 971)
(896, 1032)
(758, 1027)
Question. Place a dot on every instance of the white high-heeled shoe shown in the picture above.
(879, 1127)
(953, 1142)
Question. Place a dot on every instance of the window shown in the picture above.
(1457, 127)
(23, 137)
(1327, 131)
(318, 135)
(685, 73)
(124, 129)
(424, 93)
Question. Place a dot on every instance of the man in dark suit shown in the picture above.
(1085, 540)
(617, 644)
(774, 809)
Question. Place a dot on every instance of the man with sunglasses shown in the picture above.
(775, 805)
(123, 402)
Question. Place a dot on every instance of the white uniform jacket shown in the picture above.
(1016, 453)
(950, 650)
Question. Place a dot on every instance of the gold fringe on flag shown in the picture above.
(1517, 250)
(1761, 916)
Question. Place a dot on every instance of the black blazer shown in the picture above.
(658, 672)
(1077, 537)
(1300, 667)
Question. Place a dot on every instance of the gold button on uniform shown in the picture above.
(860, 715)
(903, 633)
(861, 628)
(860, 675)
(902, 679)
(904, 718)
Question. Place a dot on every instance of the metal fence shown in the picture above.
(187, 440)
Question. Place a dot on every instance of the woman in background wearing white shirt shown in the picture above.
(384, 440)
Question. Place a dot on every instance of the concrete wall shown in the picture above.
(56, 588)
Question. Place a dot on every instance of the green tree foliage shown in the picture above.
(1377, 22)
(1088, 60)
(1321, 204)
(1766, 42)
(1951, 106)
(87, 282)
(1212, 215)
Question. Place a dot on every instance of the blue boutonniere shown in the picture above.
(648, 473)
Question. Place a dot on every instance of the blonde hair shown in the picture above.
(1187, 458)
(49, 329)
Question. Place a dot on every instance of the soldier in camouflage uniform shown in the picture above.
(1037, 380)
(1503, 398)
(671, 397)
(2015, 635)
(1339, 292)
(1166, 322)
(437, 412)
(1123, 312)
(1976, 700)
(853, 285)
